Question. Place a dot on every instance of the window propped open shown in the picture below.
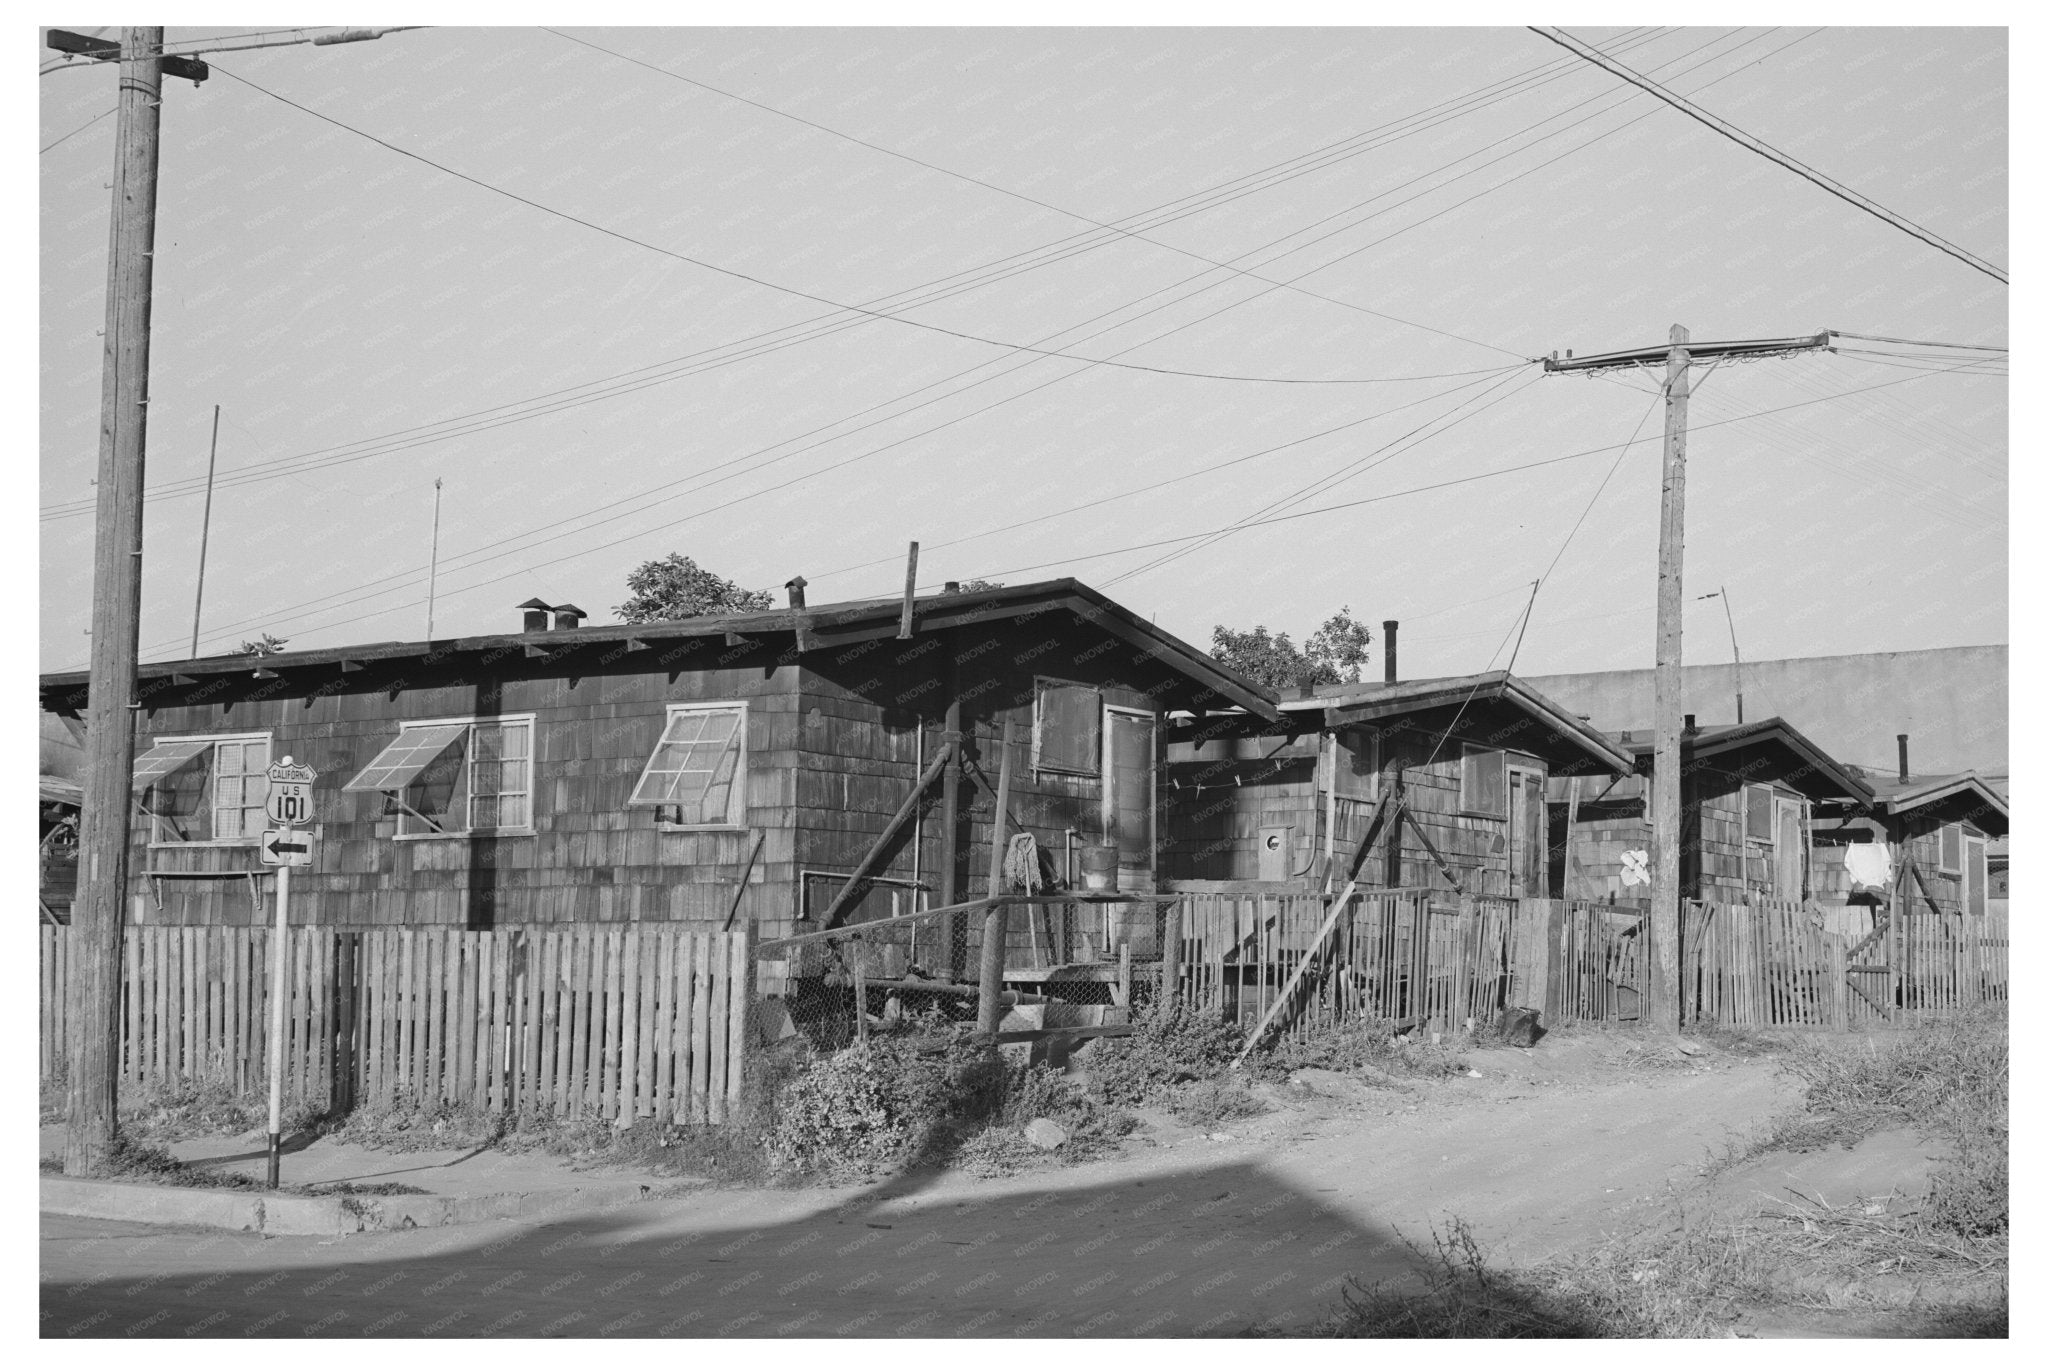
(695, 766)
(457, 777)
(166, 758)
(404, 758)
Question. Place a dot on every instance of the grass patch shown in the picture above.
(1677, 1282)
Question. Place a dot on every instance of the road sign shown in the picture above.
(291, 792)
(286, 848)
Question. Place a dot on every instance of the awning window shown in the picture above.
(166, 758)
(694, 765)
(404, 758)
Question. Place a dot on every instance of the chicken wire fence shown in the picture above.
(1063, 965)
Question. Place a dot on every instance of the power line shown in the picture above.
(1356, 467)
(1762, 148)
(1901, 341)
(79, 129)
(1173, 540)
(757, 280)
(309, 459)
(973, 180)
(473, 561)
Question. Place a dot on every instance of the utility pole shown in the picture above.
(1665, 777)
(205, 526)
(93, 994)
(1666, 815)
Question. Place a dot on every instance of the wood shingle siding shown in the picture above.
(832, 742)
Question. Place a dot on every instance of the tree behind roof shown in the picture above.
(674, 588)
(1336, 653)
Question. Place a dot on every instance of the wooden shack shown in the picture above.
(1934, 836)
(718, 768)
(1747, 799)
(1440, 780)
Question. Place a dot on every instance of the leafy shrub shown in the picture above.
(891, 1101)
(1173, 1045)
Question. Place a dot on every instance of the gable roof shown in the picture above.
(1952, 796)
(1336, 705)
(811, 629)
(1817, 775)
(1353, 703)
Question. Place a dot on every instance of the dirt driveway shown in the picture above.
(1186, 1234)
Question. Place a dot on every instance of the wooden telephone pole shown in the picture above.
(93, 994)
(1666, 811)
(93, 991)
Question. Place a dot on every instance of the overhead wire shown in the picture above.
(79, 129)
(722, 506)
(272, 618)
(762, 282)
(1186, 205)
(1287, 517)
(1765, 149)
(1090, 360)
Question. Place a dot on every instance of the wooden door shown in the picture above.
(1129, 791)
(1788, 863)
(1527, 861)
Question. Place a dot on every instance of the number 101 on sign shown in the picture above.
(291, 792)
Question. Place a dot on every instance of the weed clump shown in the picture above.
(1372, 1047)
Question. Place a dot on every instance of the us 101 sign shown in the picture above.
(291, 792)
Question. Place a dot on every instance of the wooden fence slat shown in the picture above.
(629, 1026)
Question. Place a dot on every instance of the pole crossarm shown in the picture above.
(1659, 354)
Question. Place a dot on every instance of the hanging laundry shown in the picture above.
(1869, 865)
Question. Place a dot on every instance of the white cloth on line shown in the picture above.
(1869, 864)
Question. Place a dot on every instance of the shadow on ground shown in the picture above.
(1222, 1250)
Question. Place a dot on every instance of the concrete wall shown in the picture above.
(1952, 702)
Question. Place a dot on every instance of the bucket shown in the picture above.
(1098, 867)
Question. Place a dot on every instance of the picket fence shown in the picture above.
(1405, 957)
(1415, 959)
(631, 1022)
(1775, 963)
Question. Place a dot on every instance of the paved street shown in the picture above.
(1194, 1238)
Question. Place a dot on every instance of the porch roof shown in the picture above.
(1952, 796)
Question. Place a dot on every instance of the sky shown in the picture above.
(784, 300)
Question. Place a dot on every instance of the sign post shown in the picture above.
(290, 804)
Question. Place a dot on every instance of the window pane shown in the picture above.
(483, 812)
(1951, 846)
(1757, 813)
(1485, 781)
(1069, 725)
(512, 811)
(693, 764)
(230, 759)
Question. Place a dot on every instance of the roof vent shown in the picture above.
(1388, 631)
(1692, 724)
(796, 592)
(568, 615)
(536, 617)
(1905, 772)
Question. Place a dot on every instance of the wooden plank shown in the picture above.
(46, 973)
(700, 1027)
(629, 1025)
(738, 1034)
(412, 1019)
(721, 1006)
(462, 984)
(582, 943)
(650, 939)
(556, 1021)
